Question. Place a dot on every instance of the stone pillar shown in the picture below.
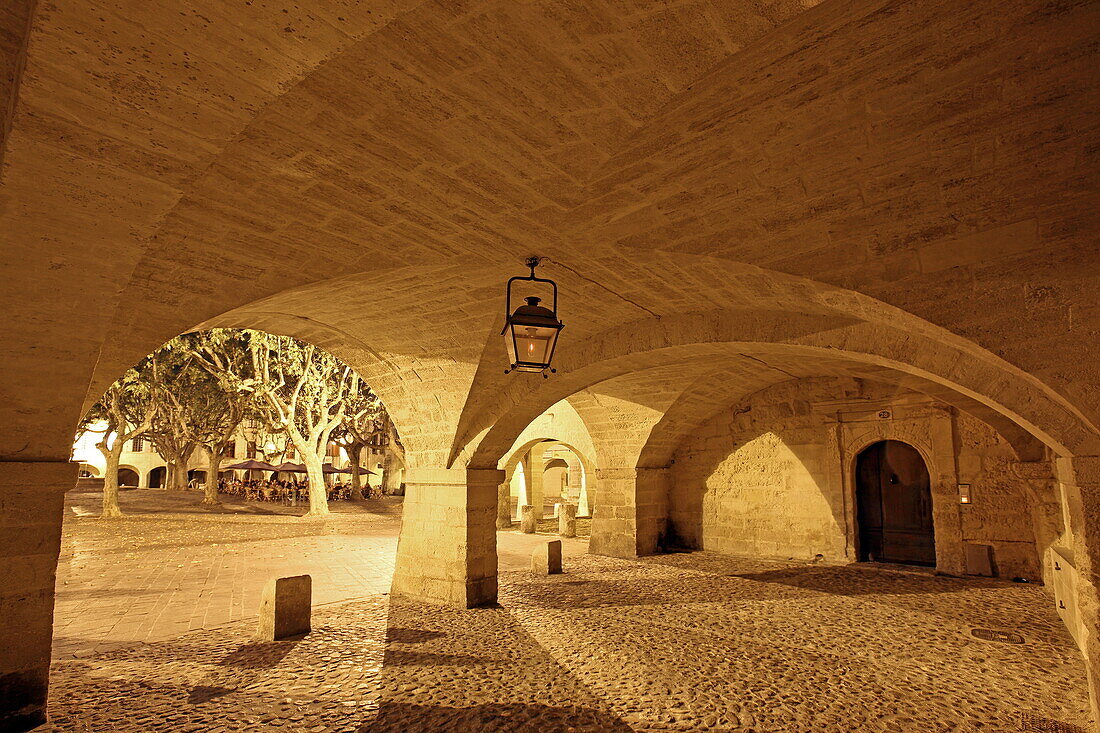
(631, 512)
(567, 520)
(1081, 485)
(32, 498)
(1046, 508)
(527, 523)
(946, 510)
(504, 504)
(576, 479)
(536, 466)
(447, 548)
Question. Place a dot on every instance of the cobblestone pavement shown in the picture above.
(172, 566)
(671, 643)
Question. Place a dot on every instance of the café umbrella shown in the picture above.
(250, 465)
(361, 471)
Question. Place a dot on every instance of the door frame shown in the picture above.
(926, 425)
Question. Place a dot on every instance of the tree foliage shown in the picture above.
(198, 390)
(361, 426)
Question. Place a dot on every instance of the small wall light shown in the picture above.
(964, 493)
(531, 331)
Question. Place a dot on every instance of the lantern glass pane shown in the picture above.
(510, 343)
(530, 347)
(533, 344)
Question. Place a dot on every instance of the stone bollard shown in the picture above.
(567, 520)
(527, 522)
(285, 608)
(546, 558)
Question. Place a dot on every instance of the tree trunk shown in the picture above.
(110, 478)
(181, 476)
(175, 472)
(318, 494)
(213, 463)
(355, 452)
(171, 475)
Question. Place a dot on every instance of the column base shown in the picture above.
(447, 549)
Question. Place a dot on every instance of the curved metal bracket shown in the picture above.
(531, 262)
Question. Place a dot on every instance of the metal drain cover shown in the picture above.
(1005, 637)
(1038, 724)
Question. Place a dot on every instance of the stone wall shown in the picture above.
(1004, 493)
(771, 477)
(757, 483)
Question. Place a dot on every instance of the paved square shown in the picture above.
(156, 607)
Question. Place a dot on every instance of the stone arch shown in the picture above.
(985, 381)
(128, 473)
(512, 463)
(157, 477)
(721, 387)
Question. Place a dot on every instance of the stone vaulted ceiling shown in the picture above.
(369, 174)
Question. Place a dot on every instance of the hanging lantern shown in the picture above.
(531, 331)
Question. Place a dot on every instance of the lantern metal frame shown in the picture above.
(531, 262)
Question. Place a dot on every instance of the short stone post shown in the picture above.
(285, 608)
(546, 558)
(567, 520)
(527, 522)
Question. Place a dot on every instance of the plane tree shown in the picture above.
(305, 391)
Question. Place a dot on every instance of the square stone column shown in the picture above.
(1080, 479)
(447, 549)
(630, 513)
(32, 498)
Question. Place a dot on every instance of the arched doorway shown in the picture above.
(128, 477)
(157, 477)
(894, 505)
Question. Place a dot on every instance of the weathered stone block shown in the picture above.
(527, 522)
(31, 503)
(546, 558)
(567, 520)
(285, 608)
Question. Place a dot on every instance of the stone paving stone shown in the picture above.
(692, 642)
(686, 642)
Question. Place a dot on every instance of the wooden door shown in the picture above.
(894, 505)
